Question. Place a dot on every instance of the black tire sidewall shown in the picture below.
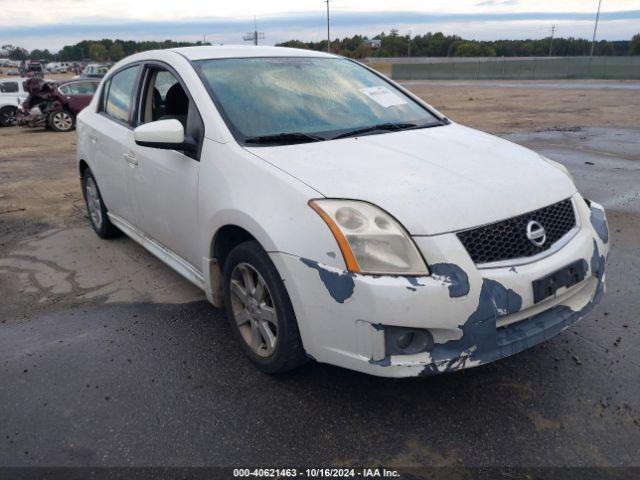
(107, 229)
(3, 111)
(289, 352)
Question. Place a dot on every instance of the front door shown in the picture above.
(164, 183)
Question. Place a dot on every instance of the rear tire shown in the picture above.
(61, 121)
(259, 310)
(96, 208)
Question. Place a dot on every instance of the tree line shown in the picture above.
(390, 45)
(441, 45)
(96, 50)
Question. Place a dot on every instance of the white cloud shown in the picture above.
(21, 12)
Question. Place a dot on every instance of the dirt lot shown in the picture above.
(107, 357)
(502, 110)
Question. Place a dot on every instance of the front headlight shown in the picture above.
(371, 240)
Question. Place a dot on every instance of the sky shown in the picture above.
(54, 23)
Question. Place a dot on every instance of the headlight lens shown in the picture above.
(371, 241)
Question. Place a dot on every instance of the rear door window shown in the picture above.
(79, 88)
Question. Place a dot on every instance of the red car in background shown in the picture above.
(53, 105)
(74, 96)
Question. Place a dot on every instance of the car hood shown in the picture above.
(432, 180)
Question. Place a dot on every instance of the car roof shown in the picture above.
(245, 51)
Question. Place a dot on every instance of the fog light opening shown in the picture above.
(407, 341)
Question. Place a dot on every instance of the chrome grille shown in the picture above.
(508, 240)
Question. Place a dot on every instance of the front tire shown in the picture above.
(61, 121)
(96, 208)
(259, 310)
(8, 116)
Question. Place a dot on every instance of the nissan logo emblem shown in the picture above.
(536, 233)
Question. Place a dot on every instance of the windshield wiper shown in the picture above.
(292, 137)
(387, 127)
(373, 128)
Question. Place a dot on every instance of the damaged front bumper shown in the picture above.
(470, 316)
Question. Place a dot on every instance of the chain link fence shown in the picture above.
(610, 68)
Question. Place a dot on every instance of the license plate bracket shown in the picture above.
(567, 276)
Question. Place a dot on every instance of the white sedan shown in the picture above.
(334, 214)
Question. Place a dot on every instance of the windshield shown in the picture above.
(314, 98)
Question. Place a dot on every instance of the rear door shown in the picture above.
(110, 130)
(78, 95)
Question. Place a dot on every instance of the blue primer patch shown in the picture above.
(490, 344)
(478, 332)
(506, 300)
(597, 262)
(385, 362)
(600, 224)
(459, 281)
(340, 285)
(414, 281)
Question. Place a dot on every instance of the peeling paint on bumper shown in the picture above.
(475, 316)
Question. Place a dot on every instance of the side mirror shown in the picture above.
(164, 134)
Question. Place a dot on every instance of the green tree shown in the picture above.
(41, 55)
(15, 53)
(116, 52)
(97, 52)
(474, 49)
(634, 47)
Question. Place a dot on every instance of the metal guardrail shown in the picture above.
(612, 68)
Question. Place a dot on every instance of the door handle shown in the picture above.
(131, 159)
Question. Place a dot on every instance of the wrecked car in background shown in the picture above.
(55, 106)
(336, 215)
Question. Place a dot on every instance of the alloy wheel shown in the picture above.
(93, 202)
(62, 121)
(253, 309)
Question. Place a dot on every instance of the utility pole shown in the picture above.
(553, 30)
(255, 31)
(409, 48)
(595, 28)
(328, 31)
(255, 35)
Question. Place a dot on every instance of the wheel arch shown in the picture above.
(82, 167)
(231, 228)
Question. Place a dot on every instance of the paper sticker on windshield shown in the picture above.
(383, 96)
